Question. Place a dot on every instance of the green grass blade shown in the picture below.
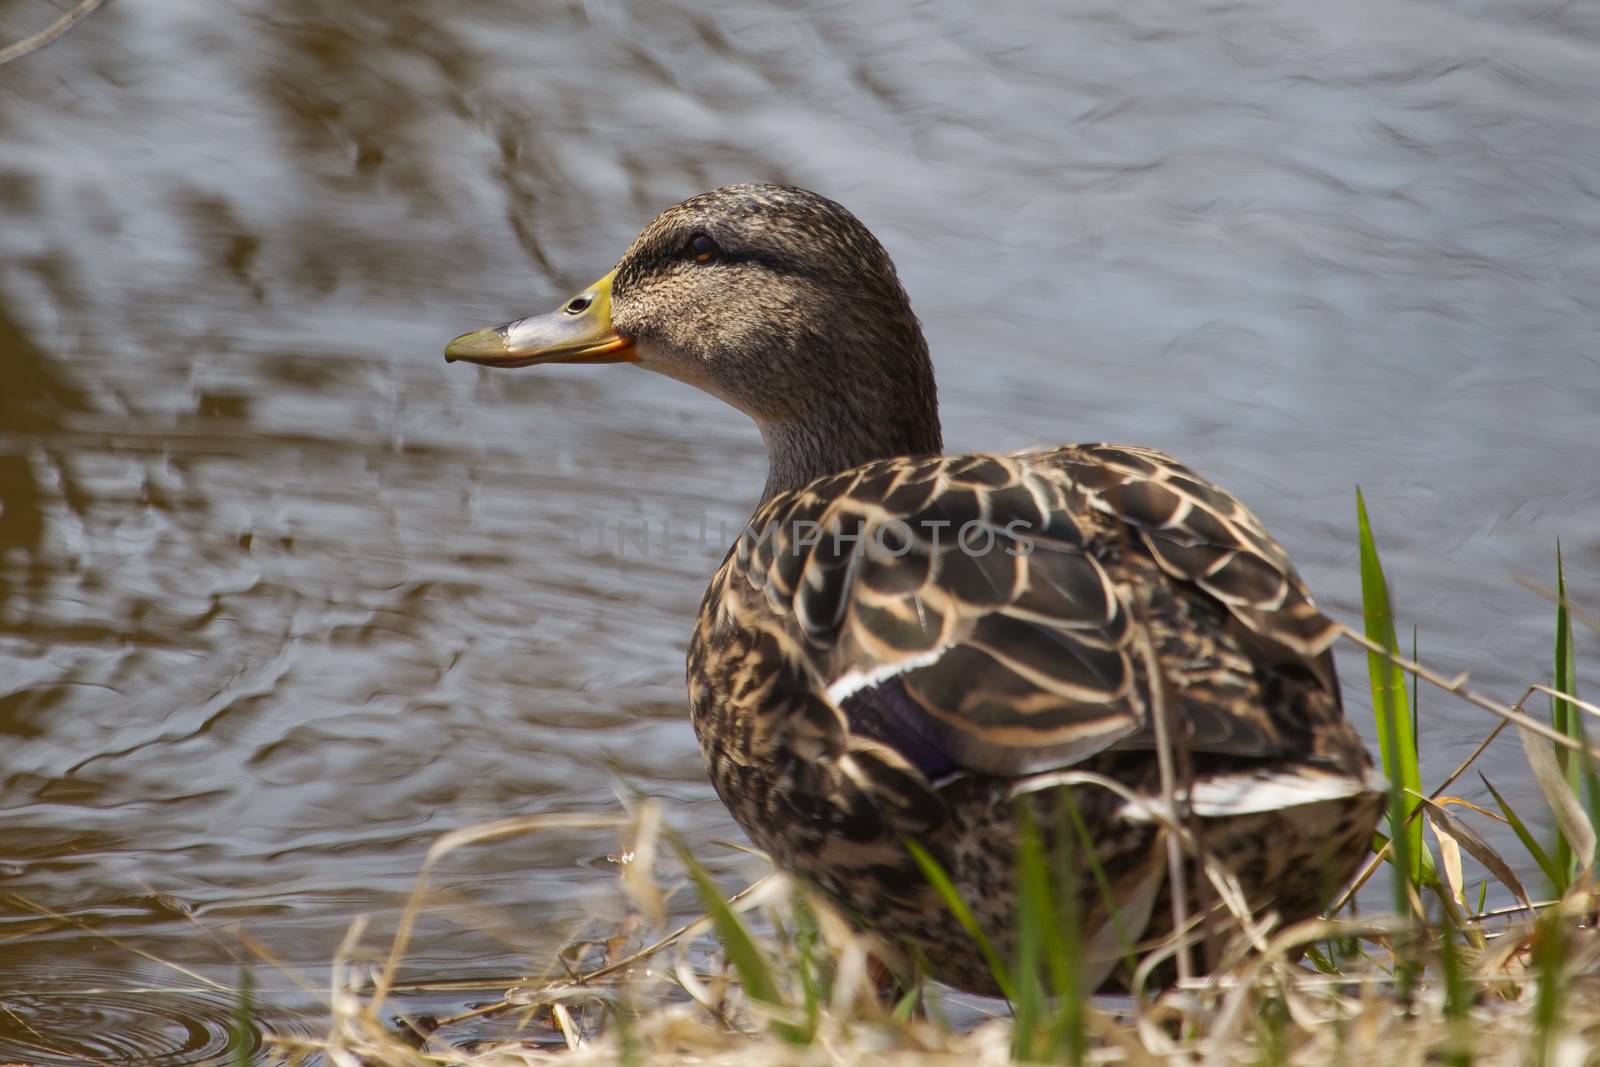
(1272, 1025)
(1549, 963)
(952, 899)
(1416, 698)
(1567, 719)
(1591, 776)
(1108, 897)
(630, 1047)
(1049, 1010)
(1322, 961)
(811, 965)
(242, 1027)
(1396, 727)
(1458, 991)
(906, 1006)
(1033, 931)
(1068, 1036)
(749, 962)
(1529, 842)
(1563, 716)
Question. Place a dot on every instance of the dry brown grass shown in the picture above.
(1448, 983)
(1263, 1008)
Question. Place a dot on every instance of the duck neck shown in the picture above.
(849, 431)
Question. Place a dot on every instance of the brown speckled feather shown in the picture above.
(998, 593)
(1201, 534)
(892, 651)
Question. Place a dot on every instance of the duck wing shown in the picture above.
(986, 613)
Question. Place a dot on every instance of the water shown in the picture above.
(283, 597)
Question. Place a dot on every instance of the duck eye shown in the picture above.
(702, 248)
(579, 304)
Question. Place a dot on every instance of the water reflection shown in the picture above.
(33, 401)
(282, 598)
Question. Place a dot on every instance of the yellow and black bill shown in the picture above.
(580, 331)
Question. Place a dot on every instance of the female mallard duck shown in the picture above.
(901, 643)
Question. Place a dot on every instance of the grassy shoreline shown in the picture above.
(773, 975)
(1469, 965)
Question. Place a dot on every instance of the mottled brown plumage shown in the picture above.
(902, 644)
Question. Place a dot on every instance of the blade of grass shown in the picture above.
(1033, 932)
(1480, 849)
(948, 893)
(749, 962)
(1549, 961)
(1068, 1038)
(1450, 872)
(1393, 714)
(1416, 698)
(1563, 716)
(907, 1004)
(1457, 993)
(1578, 766)
(242, 1028)
(1571, 819)
(1272, 1025)
(1380, 843)
(61, 25)
(1321, 960)
(1529, 842)
(810, 964)
(1085, 848)
(1591, 777)
(1048, 947)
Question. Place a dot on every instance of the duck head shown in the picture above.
(773, 299)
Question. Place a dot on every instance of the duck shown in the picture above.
(906, 655)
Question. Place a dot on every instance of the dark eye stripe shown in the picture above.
(664, 257)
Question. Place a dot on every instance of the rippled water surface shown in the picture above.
(283, 597)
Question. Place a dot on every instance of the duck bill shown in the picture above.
(578, 332)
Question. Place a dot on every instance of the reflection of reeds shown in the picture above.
(1447, 978)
